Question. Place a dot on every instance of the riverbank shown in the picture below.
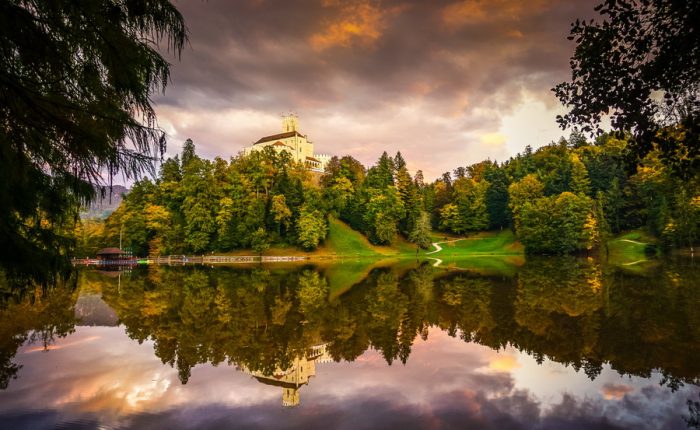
(489, 250)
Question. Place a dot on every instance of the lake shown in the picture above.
(545, 343)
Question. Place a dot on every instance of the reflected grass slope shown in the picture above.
(632, 251)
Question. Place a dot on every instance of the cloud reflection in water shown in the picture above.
(446, 383)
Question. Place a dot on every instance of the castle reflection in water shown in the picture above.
(297, 375)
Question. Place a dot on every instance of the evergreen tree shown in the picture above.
(399, 162)
(409, 197)
(580, 184)
(57, 138)
(497, 197)
(382, 174)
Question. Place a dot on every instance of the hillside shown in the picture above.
(102, 207)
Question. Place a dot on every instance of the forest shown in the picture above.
(570, 196)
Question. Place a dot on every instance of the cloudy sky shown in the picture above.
(445, 82)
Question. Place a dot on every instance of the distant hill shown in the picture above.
(102, 207)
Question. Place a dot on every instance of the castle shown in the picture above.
(295, 143)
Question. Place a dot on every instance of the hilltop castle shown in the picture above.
(297, 144)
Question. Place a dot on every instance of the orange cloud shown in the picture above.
(478, 11)
(357, 23)
(493, 139)
(517, 34)
(614, 391)
(60, 345)
(464, 12)
(504, 363)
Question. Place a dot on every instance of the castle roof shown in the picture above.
(278, 383)
(279, 136)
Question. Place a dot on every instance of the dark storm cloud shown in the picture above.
(265, 54)
(455, 410)
(451, 410)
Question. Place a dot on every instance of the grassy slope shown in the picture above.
(344, 241)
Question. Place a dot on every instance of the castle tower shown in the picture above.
(290, 397)
(290, 123)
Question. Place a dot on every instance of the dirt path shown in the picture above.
(635, 262)
(437, 261)
(438, 248)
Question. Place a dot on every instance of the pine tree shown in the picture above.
(75, 103)
(580, 183)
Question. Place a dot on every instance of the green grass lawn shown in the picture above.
(486, 243)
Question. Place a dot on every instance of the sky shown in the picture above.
(446, 82)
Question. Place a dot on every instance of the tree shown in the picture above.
(642, 51)
(409, 196)
(580, 183)
(682, 229)
(158, 222)
(450, 219)
(421, 232)
(521, 192)
(383, 211)
(382, 174)
(259, 241)
(419, 180)
(339, 194)
(557, 224)
(470, 198)
(497, 196)
(399, 162)
(602, 222)
(280, 212)
(311, 228)
(224, 219)
(76, 82)
(200, 199)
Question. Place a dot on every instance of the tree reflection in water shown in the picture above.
(266, 320)
(34, 315)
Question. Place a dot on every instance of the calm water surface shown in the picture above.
(550, 343)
